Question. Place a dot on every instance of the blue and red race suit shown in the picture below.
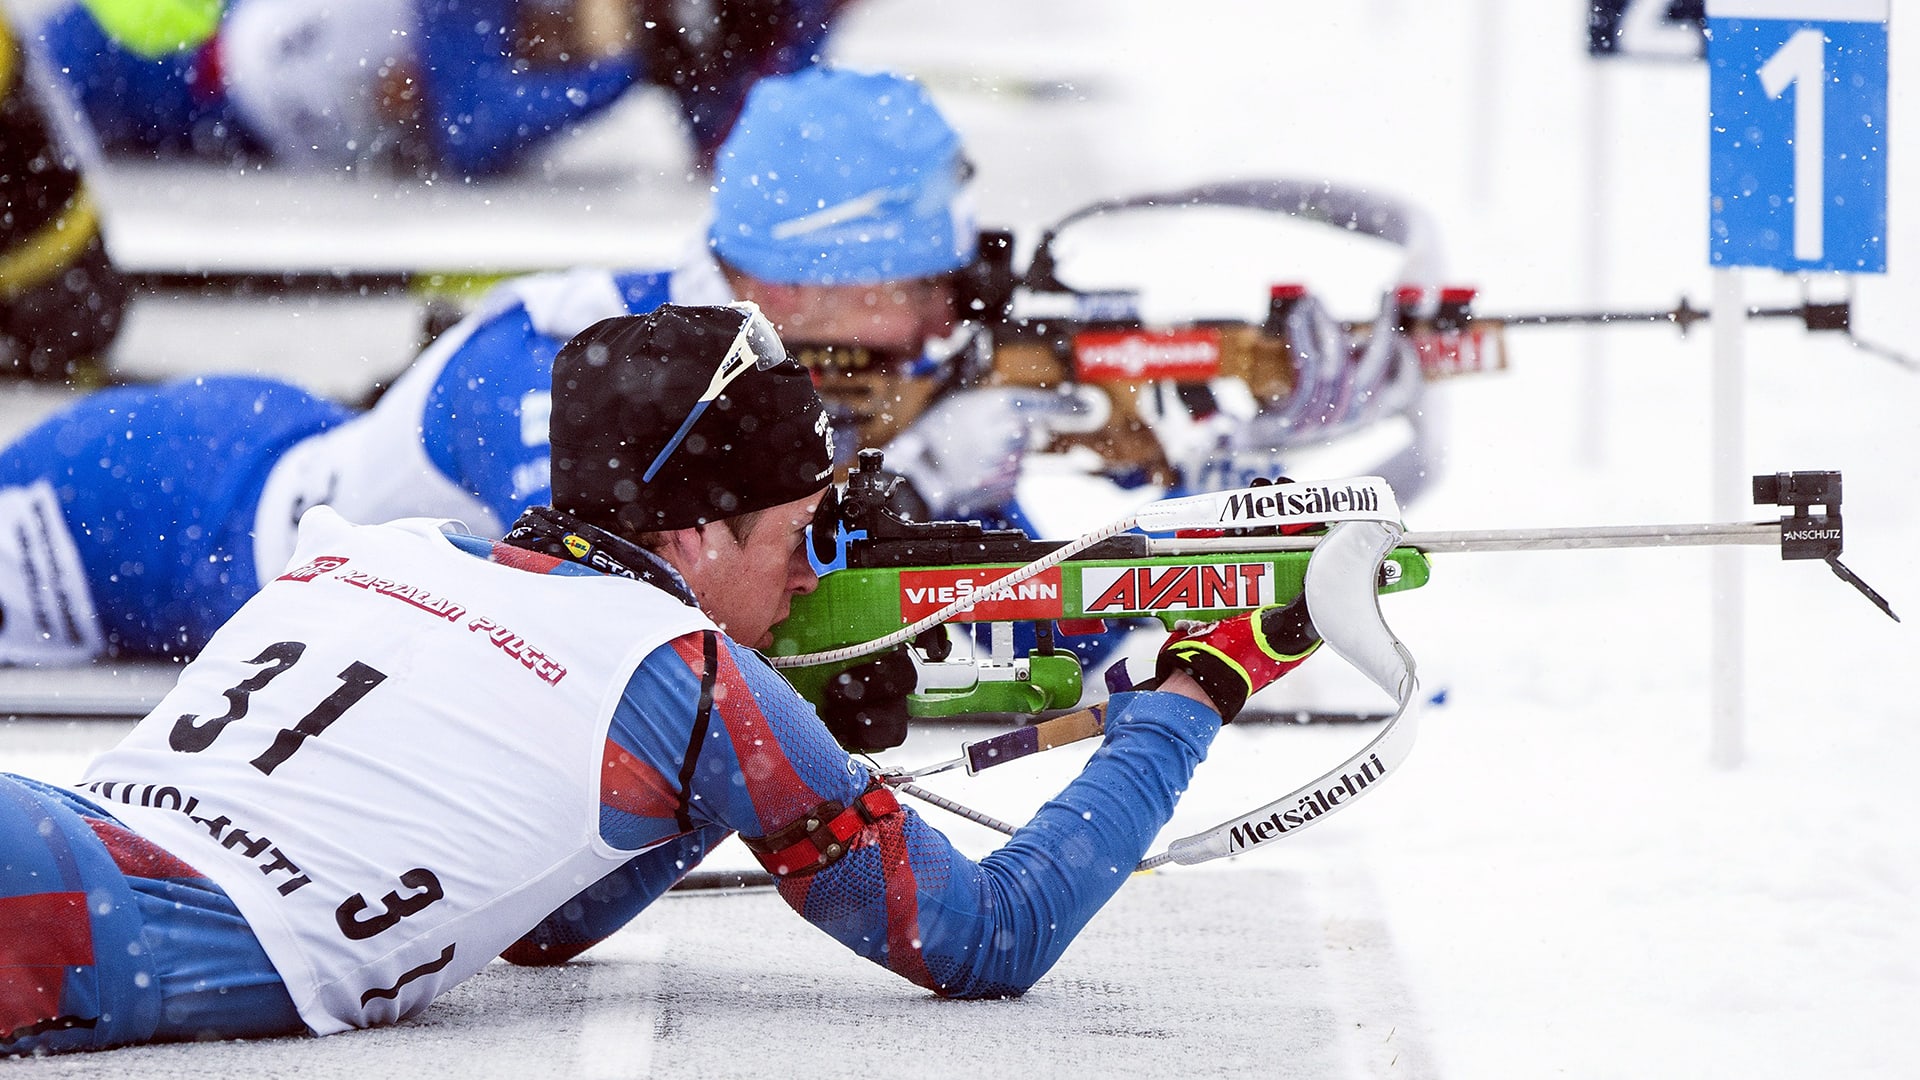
(901, 895)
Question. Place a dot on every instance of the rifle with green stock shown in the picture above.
(899, 572)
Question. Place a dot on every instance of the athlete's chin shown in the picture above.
(765, 639)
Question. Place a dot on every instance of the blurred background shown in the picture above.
(1549, 172)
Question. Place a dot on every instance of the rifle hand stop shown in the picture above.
(1807, 535)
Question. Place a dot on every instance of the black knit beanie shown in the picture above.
(682, 416)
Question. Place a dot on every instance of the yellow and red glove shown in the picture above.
(1233, 658)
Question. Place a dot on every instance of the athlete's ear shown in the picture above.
(686, 551)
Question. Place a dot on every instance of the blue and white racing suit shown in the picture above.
(301, 81)
(137, 520)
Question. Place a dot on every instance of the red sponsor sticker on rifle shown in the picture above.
(1191, 355)
(923, 592)
(1119, 590)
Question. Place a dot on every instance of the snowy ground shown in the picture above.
(1560, 882)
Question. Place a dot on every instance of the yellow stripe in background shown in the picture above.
(7, 57)
(43, 255)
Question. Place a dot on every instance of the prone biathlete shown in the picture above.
(416, 750)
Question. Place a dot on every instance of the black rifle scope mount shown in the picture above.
(1807, 535)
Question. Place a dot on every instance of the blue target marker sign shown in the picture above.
(1798, 145)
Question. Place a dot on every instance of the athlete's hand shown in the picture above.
(1233, 658)
(1195, 423)
(963, 456)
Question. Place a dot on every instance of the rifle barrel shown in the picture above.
(1605, 536)
(1828, 316)
(1590, 318)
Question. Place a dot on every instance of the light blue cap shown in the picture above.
(834, 177)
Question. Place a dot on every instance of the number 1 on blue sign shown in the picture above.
(1802, 64)
(1799, 186)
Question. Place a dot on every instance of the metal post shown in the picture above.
(1591, 439)
(1485, 98)
(1727, 625)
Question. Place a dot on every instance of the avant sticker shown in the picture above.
(1119, 590)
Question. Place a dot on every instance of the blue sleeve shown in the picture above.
(485, 108)
(644, 290)
(173, 103)
(610, 903)
(903, 896)
(484, 424)
(485, 421)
